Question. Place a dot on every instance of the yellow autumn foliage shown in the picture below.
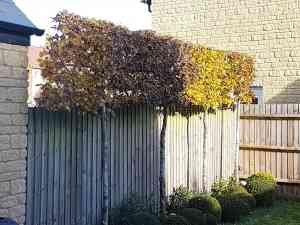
(218, 80)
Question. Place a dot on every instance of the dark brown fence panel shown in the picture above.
(64, 184)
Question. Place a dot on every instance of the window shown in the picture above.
(259, 95)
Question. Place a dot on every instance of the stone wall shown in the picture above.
(13, 120)
(266, 29)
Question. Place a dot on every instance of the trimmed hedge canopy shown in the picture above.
(89, 62)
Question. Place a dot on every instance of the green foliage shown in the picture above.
(88, 63)
(179, 198)
(222, 187)
(174, 219)
(235, 205)
(263, 187)
(206, 204)
(194, 216)
(141, 218)
(132, 205)
(239, 189)
(211, 219)
(281, 213)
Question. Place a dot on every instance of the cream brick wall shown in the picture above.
(266, 29)
(13, 140)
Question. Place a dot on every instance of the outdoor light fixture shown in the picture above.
(149, 4)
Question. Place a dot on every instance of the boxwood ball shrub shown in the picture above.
(179, 198)
(263, 187)
(239, 189)
(207, 204)
(174, 219)
(236, 204)
(194, 216)
(141, 218)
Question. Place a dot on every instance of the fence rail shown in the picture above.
(64, 184)
(270, 142)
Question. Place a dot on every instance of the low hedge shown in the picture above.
(263, 187)
(194, 216)
(207, 204)
(141, 218)
(174, 219)
(236, 204)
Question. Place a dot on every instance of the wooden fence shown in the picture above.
(64, 185)
(270, 142)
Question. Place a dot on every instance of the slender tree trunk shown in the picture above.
(162, 176)
(204, 175)
(237, 150)
(188, 157)
(104, 143)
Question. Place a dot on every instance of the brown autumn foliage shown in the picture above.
(77, 64)
(89, 62)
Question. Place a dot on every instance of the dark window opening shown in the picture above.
(258, 92)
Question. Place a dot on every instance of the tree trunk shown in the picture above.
(104, 145)
(204, 175)
(162, 176)
(237, 150)
(188, 153)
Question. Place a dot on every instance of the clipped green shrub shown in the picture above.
(174, 219)
(179, 198)
(194, 216)
(141, 218)
(236, 204)
(238, 189)
(222, 187)
(219, 188)
(211, 219)
(263, 187)
(129, 206)
(206, 204)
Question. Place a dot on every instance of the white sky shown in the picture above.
(130, 13)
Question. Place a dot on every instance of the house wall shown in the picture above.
(13, 140)
(269, 30)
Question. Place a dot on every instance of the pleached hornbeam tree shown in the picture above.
(77, 67)
(223, 79)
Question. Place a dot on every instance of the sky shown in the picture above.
(130, 13)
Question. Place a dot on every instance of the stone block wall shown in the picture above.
(269, 30)
(13, 121)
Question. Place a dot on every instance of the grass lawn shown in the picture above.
(282, 213)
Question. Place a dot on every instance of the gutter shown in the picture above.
(19, 29)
